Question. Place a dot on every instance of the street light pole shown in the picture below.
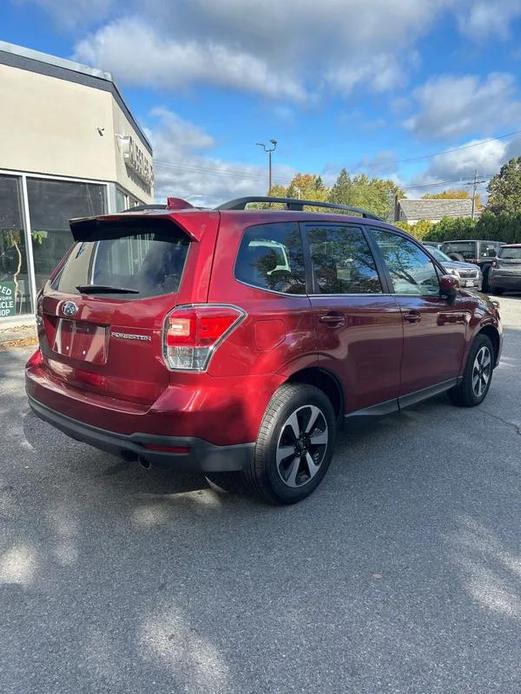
(268, 151)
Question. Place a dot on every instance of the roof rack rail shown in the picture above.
(294, 204)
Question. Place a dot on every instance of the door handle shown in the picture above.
(412, 316)
(333, 320)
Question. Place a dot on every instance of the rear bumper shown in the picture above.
(198, 454)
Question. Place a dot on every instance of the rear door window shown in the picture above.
(149, 263)
(342, 261)
(271, 257)
(488, 250)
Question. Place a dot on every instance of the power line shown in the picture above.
(457, 149)
(454, 181)
(214, 171)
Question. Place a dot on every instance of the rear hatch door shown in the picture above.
(102, 314)
(509, 260)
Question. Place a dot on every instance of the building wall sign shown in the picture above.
(135, 159)
(7, 299)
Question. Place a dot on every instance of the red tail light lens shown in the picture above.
(35, 359)
(192, 333)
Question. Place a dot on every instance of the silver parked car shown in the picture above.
(505, 273)
(468, 274)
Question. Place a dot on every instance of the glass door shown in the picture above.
(15, 292)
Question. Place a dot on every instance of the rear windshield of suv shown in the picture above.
(467, 249)
(510, 253)
(148, 262)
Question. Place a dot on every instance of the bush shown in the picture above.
(453, 228)
(420, 230)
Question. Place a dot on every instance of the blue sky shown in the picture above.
(365, 84)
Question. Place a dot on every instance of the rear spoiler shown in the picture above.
(115, 226)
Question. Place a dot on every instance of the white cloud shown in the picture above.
(139, 55)
(70, 14)
(380, 72)
(487, 18)
(383, 163)
(265, 46)
(484, 156)
(451, 106)
(185, 168)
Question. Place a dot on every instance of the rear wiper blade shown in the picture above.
(104, 288)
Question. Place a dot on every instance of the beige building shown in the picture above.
(69, 147)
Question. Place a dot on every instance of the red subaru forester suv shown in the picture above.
(236, 340)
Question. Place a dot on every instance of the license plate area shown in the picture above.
(82, 341)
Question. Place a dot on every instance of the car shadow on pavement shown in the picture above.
(401, 573)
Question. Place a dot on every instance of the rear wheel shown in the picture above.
(294, 446)
(477, 376)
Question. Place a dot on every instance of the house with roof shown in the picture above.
(433, 209)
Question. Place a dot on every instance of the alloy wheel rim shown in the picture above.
(302, 446)
(481, 371)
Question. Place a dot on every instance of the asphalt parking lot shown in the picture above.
(402, 573)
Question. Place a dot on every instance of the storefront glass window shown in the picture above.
(15, 294)
(51, 205)
(121, 200)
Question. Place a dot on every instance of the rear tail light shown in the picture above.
(35, 359)
(192, 333)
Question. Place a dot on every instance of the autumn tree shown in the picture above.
(452, 194)
(307, 187)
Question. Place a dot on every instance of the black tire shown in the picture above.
(467, 393)
(497, 290)
(286, 479)
(457, 256)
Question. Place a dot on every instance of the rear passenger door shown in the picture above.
(434, 327)
(358, 323)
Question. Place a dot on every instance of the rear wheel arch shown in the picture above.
(325, 381)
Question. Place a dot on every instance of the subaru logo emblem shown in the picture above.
(69, 309)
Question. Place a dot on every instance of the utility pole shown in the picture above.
(268, 151)
(474, 185)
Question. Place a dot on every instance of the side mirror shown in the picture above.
(449, 286)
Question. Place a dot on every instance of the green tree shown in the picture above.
(374, 194)
(504, 190)
(341, 191)
(450, 228)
